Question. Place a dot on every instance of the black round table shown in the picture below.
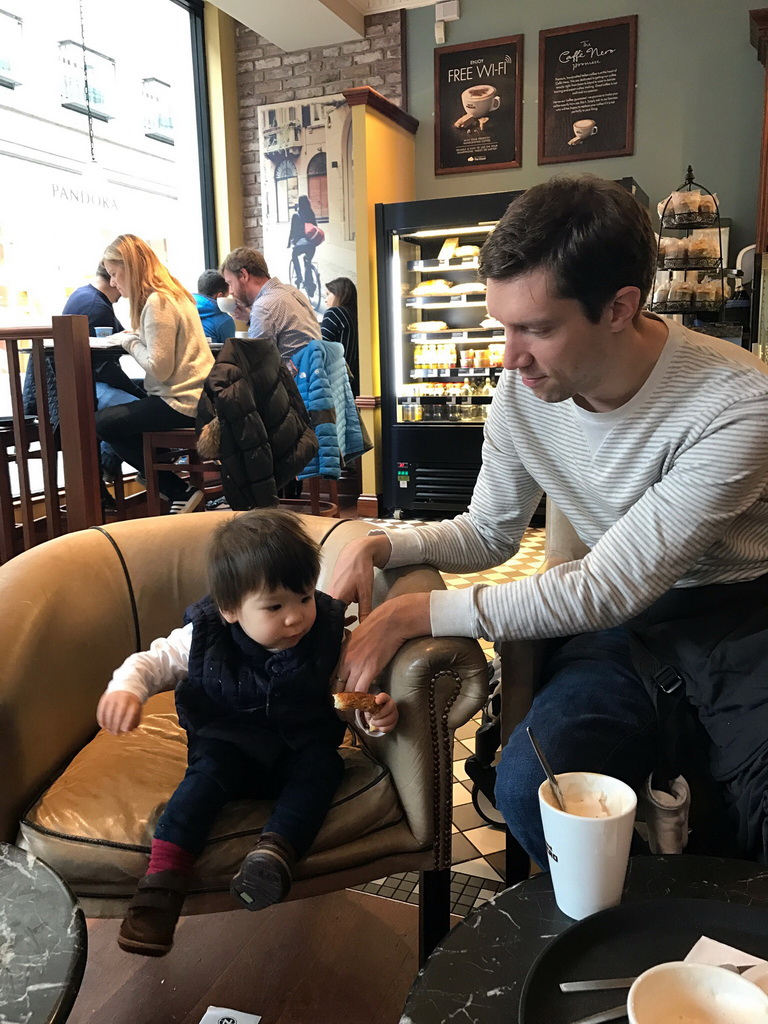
(43, 941)
(476, 975)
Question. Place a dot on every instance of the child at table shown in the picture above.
(252, 671)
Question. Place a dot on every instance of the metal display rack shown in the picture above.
(690, 222)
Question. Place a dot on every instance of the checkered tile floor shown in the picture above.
(478, 848)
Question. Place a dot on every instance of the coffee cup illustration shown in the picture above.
(582, 130)
(479, 100)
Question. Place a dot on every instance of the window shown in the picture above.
(158, 122)
(101, 80)
(317, 185)
(287, 189)
(10, 48)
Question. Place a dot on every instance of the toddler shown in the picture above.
(252, 671)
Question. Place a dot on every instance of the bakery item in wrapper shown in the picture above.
(355, 701)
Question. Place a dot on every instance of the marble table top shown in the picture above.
(476, 975)
(43, 941)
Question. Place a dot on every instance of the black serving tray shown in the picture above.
(625, 941)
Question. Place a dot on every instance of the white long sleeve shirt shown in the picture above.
(670, 490)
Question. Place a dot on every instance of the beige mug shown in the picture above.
(480, 100)
(582, 130)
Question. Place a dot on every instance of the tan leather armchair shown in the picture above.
(86, 802)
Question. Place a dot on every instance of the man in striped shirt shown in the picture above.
(653, 440)
(274, 310)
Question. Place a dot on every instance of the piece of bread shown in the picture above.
(466, 250)
(427, 325)
(355, 702)
(434, 286)
(468, 288)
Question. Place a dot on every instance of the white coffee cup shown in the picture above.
(695, 994)
(583, 129)
(227, 303)
(480, 100)
(588, 855)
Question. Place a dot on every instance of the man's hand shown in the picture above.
(119, 711)
(374, 643)
(353, 575)
(384, 718)
(242, 312)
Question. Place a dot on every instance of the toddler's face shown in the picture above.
(276, 619)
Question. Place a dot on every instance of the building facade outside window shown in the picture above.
(59, 209)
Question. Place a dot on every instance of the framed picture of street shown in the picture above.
(478, 105)
(587, 90)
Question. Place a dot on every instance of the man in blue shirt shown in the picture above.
(217, 325)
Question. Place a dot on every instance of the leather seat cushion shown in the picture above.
(94, 824)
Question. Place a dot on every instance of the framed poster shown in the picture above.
(478, 105)
(587, 90)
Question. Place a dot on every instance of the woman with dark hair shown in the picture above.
(304, 236)
(340, 323)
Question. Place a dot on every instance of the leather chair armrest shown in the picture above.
(439, 683)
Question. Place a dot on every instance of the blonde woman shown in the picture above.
(167, 340)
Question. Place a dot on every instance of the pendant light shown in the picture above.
(93, 176)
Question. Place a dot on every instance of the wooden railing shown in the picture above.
(37, 517)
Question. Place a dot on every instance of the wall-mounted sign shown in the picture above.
(478, 105)
(587, 90)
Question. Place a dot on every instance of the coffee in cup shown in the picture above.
(588, 843)
(582, 130)
(696, 994)
(227, 304)
(480, 100)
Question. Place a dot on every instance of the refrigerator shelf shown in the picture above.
(456, 373)
(438, 302)
(456, 264)
(450, 399)
(457, 334)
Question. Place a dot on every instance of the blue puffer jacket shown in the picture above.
(323, 383)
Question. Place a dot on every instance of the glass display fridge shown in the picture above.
(441, 353)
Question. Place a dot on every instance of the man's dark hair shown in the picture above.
(246, 259)
(104, 274)
(591, 235)
(344, 290)
(261, 550)
(211, 283)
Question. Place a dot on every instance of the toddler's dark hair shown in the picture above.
(261, 550)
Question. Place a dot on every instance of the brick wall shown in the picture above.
(267, 74)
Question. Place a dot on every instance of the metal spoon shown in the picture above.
(547, 770)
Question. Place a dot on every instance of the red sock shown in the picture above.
(165, 856)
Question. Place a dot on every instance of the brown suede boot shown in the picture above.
(266, 873)
(150, 922)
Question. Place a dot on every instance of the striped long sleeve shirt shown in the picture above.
(669, 490)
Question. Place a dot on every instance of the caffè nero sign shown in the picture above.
(587, 90)
(96, 200)
(478, 105)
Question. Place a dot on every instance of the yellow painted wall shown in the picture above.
(383, 154)
(225, 128)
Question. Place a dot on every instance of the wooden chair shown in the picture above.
(34, 518)
(162, 451)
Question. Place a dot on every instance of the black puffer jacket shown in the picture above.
(265, 437)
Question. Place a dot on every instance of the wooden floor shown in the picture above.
(343, 958)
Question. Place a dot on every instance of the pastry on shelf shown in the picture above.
(435, 286)
(491, 323)
(468, 288)
(448, 249)
(465, 251)
(427, 325)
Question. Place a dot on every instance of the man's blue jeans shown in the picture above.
(593, 714)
